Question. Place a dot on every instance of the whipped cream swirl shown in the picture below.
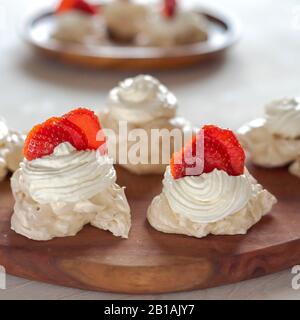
(207, 198)
(68, 175)
(141, 99)
(283, 118)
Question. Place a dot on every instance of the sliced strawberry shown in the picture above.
(229, 148)
(45, 137)
(89, 124)
(81, 5)
(86, 7)
(222, 151)
(170, 7)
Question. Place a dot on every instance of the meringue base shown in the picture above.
(294, 168)
(162, 218)
(267, 150)
(108, 211)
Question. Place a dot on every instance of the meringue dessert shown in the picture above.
(174, 26)
(67, 181)
(79, 22)
(142, 103)
(220, 198)
(124, 19)
(11, 145)
(274, 140)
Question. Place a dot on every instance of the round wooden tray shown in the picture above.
(154, 262)
(223, 33)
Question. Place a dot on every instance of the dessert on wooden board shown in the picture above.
(274, 140)
(208, 190)
(67, 181)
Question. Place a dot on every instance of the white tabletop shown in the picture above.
(264, 65)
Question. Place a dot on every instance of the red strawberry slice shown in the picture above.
(81, 5)
(89, 123)
(45, 137)
(222, 151)
(170, 7)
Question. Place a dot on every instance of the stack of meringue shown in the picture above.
(142, 103)
(58, 194)
(274, 141)
(213, 203)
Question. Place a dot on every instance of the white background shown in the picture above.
(264, 65)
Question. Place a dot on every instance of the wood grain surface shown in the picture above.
(153, 262)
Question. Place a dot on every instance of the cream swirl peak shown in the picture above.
(207, 198)
(68, 175)
(141, 99)
(283, 118)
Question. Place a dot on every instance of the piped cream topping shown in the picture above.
(141, 99)
(68, 175)
(209, 197)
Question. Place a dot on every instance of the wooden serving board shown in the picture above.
(153, 262)
(223, 33)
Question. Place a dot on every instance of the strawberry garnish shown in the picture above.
(89, 123)
(170, 8)
(222, 151)
(45, 137)
(81, 5)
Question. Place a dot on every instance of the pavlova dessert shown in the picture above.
(274, 140)
(78, 21)
(124, 19)
(173, 26)
(11, 146)
(67, 181)
(143, 105)
(208, 190)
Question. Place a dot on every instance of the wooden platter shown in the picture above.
(223, 33)
(153, 262)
